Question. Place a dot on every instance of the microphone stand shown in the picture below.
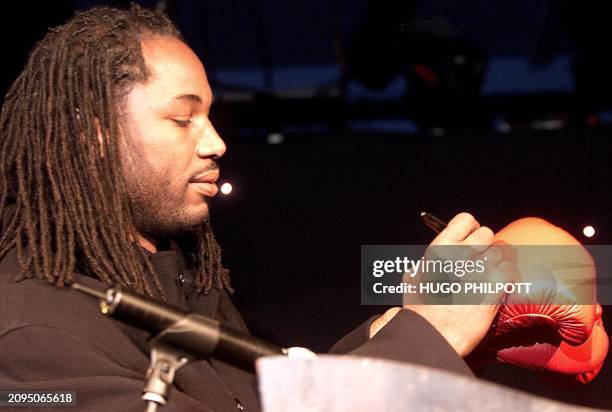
(178, 337)
(165, 361)
(167, 356)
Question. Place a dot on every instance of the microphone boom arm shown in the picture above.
(177, 337)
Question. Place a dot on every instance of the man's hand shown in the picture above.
(463, 326)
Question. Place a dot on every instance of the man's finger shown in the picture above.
(460, 227)
(480, 239)
(503, 272)
(493, 256)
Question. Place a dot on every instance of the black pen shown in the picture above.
(433, 222)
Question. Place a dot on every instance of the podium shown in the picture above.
(354, 384)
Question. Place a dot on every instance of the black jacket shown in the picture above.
(56, 339)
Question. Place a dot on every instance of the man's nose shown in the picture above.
(211, 145)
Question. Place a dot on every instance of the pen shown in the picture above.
(433, 222)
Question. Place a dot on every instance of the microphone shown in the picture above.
(195, 335)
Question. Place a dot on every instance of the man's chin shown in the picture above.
(178, 223)
(198, 212)
(190, 218)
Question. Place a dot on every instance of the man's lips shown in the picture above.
(205, 183)
(210, 176)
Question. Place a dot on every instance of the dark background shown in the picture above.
(354, 165)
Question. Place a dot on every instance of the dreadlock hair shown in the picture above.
(71, 209)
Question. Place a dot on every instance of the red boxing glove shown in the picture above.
(563, 363)
(555, 329)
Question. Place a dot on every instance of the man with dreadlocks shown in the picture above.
(107, 162)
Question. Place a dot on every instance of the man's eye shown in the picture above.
(182, 123)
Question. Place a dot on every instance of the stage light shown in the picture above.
(588, 231)
(275, 138)
(226, 188)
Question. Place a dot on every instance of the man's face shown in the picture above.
(170, 144)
